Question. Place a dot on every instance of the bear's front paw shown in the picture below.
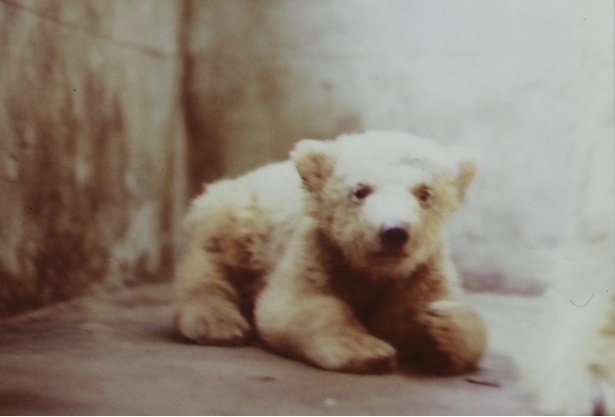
(358, 352)
(456, 337)
(207, 325)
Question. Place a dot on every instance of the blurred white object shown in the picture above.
(572, 367)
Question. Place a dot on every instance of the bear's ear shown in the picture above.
(314, 161)
(466, 167)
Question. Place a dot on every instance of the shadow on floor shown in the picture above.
(117, 354)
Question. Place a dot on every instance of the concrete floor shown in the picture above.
(117, 354)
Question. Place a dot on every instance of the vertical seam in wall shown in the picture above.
(184, 56)
(180, 169)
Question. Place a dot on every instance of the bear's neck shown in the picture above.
(358, 286)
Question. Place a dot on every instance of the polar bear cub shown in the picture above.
(335, 257)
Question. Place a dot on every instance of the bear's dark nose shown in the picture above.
(394, 233)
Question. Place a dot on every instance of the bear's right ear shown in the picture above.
(314, 161)
(466, 162)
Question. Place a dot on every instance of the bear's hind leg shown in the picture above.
(207, 304)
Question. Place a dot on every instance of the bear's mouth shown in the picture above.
(389, 255)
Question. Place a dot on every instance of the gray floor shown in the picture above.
(116, 354)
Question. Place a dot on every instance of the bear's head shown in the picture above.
(383, 198)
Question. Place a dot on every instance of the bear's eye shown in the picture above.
(362, 191)
(424, 194)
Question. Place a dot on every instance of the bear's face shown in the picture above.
(383, 198)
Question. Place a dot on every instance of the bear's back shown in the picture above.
(278, 194)
(248, 220)
(276, 189)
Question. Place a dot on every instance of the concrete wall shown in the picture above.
(91, 146)
(499, 76)
(100, 99)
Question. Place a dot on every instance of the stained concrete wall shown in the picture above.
(501, 77)
(100, 99)
(91, 146)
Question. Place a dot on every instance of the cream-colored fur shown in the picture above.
(335, 258)
(572, 367)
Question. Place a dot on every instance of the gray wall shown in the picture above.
(91, 137)
(112, 112)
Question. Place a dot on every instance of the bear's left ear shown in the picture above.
(314, 161)
(466, 168)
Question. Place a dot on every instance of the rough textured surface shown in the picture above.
(117, 354)
(94, 98)
(91, 166)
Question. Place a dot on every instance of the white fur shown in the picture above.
(298, 256)
(572, 369)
